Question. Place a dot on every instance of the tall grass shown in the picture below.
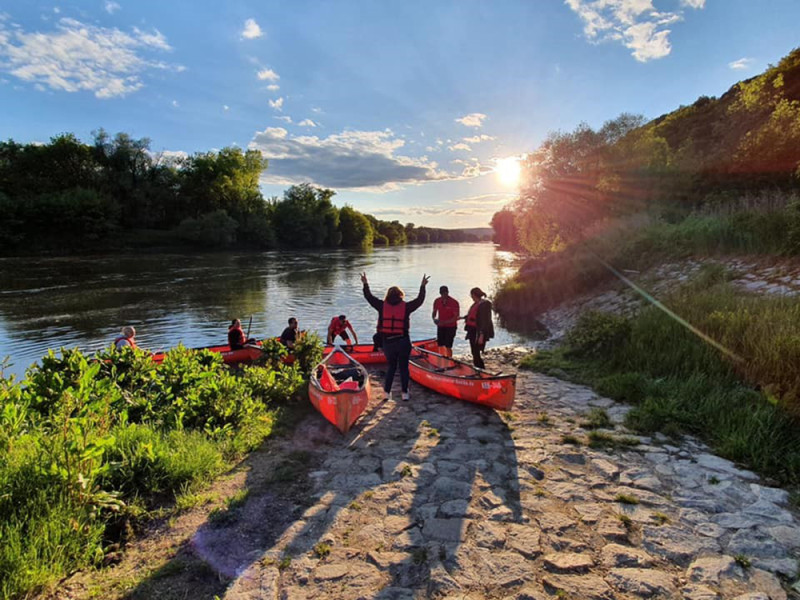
(88, 444)
(768, 225)
(744, 400)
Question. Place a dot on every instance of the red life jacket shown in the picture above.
(393, 318)
(448, 311)
(131, 341)
(337, 326)
(472, 315)
(235, 336)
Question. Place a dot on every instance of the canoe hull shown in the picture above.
(342, 409)
(343, 406)
(463, 381)
(229, 357)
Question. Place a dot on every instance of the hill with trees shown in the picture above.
(66, 196)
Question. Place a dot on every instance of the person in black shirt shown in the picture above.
(289, 335)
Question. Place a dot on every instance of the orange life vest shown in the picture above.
(472, 316)
(131, 341)
(337, 326)
(236, 336)
(393, 318)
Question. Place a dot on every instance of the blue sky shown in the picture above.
(404, 108)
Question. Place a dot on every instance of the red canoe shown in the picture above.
(339, 389)
(364, 353)
(230, 357)
(461, 380)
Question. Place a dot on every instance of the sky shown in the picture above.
(415, 110)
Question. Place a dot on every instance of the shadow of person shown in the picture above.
(420, 498)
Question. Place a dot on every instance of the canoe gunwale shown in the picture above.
(485, 375)
(314, 381)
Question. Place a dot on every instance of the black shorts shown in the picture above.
(343, 335)
(445, 336)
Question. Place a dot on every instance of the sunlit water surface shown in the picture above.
(191, 298)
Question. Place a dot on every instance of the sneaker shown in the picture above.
(387, 396)
(405, 396)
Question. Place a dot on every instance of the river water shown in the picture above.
(191, 298)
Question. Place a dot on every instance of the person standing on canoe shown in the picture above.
(393, 324)
(127, 339)
(479, 325)
(236, 336)
(289, 335)
(448, 311)
(338, 327)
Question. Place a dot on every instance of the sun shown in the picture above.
(508, 171)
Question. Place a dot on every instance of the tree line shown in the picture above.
(700, 157)
(67, 195)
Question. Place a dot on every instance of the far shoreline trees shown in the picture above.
(67, 196)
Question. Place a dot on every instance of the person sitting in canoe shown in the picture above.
(479, 325)
(289, 335)
(445, 314)
(127, 339)
(236, 337)
(338, 327)
(393, 325)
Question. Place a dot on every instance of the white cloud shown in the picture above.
(111, 7)
(348, 160)
(284, 118)
(460, 146)
(268, 75)
(277, 104)
(170, 157)
(251, 30)
(308, 123)
(273, 87)
(316, 109)
(497, 199)
(477, 139)
(75, 56)
(431, 211)
(225, 108)
(741, 64)
(634, 23)
(175, 103)
(472, 120)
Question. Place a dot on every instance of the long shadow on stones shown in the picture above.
(380, 513)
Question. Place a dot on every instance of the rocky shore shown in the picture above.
(437, 498)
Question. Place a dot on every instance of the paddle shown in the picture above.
(247, 337)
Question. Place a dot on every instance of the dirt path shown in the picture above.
(439, 498)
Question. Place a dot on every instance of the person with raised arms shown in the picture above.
(393, 326)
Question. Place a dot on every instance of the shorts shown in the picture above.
(344, 336)
(445, 336)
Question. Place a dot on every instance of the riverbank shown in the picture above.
(438, 498)
(93, 448)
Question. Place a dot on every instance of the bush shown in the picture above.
(80, 438)
(211, 229)
(597, 334)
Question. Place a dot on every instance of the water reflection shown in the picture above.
(83, 301)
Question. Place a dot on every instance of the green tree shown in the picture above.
(355, 228)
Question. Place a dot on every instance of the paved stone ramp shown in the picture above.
(436, 498)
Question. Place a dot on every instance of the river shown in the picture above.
(191, 298)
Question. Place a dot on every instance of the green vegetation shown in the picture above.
(626, 499)
(114, 193)
(90, 445)
(742, 396)
(720, 176)
(321, 550)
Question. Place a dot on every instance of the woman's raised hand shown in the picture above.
(363, 277)
(425, 279)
